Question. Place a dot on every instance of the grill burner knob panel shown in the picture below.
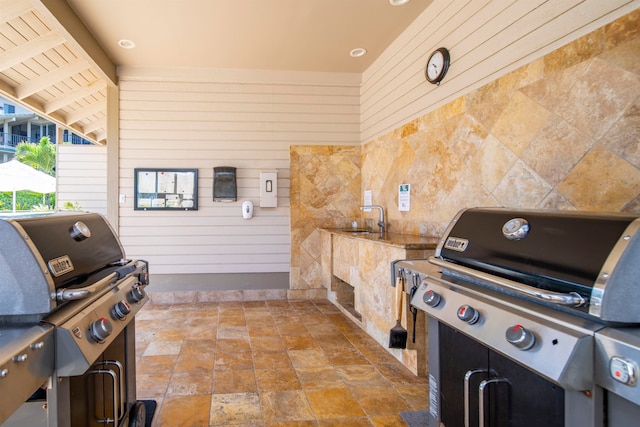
(468, 314)
(431, 298)
(120, 310)
(100, 329)
(520, 337)
(137, 294)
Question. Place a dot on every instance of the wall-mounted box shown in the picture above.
(268, 188)
(224, 184)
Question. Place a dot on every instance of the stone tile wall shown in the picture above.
(562, 132)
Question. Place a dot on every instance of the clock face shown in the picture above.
(437, 65)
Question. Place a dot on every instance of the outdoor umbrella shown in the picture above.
(16, 176)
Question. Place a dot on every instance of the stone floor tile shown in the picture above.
(333, 403)
(267, 343)
(287, 405)
(308, 358)
(345, 422)
(195, 362)
(234, 381)
(319, 377)
(156, 364)
(271, 359)
(162, 348)
(241, 344)
(184, 411)
(190, 383)
(235, 408)
(361, 376)
(230, 360)
(416, 395)
(191, 346)
(300, 342)
(152, 385)
(277, 379)
(388, 421)
(380, 401)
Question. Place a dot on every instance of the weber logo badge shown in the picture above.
(60, 266)
(456, 244)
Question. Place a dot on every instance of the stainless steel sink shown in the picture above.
(354, 230)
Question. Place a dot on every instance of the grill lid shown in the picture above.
(568, 252)
(39, 255)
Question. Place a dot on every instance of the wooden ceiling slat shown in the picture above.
(29, 49)
(50, 78)
(73, 96)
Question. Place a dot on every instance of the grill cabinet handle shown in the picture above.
(121, 376)
(559, 298)
(482, 388)
(467, 379)
(116, 397)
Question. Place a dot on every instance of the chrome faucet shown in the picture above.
(381, 221)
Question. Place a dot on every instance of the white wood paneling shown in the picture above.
(81, 175)
(207, 118)
(486, 39)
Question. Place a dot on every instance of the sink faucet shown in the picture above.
(381, 221)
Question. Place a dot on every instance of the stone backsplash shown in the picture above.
(562, 132)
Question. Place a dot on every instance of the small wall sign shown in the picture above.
(404, 197)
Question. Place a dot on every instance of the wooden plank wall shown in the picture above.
(81, 175)
(244, 119)
(486, 39)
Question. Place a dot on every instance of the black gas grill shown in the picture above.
(549, 301)
(69, 297)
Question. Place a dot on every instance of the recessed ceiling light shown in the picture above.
(358, 52)
(398, 2)
(126, 44)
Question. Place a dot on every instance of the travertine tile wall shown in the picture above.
(562, 132)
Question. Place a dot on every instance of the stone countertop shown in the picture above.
(407, 241)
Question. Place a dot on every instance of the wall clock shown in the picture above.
(437, 65)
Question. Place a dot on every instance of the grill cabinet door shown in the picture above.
(525, 399)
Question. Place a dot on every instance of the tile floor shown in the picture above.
(268, 363)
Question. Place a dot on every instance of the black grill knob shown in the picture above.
(100, 329)
(120, 310)
(431, 298)
(137, 294)
(468, 314)
(520, 337)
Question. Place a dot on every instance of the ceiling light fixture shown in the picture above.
(398, 2)
(126, 44)
(358, 52)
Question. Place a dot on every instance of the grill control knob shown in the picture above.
(431, 298)
(468, 314)
(137, 294)
(120, 310)
(520, 337)
(100, 329)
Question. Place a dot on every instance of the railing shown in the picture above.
(10, 140)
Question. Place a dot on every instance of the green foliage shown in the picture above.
(72, 206)
(41, 156)
(25, 200)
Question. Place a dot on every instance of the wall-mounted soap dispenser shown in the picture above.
(247, 209)
(224, 184)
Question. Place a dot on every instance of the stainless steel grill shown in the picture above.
(550, 301)
(66, 285)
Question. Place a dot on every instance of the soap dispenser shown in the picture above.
(247, 209)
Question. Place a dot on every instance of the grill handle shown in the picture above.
(64, 294)
(572, 298)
